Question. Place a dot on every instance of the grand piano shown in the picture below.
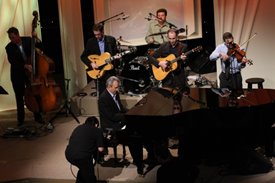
(212, 121)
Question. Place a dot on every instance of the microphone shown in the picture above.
(125, 17)
(171, 25)
(148, 18)
(181, 30)
(151, 14)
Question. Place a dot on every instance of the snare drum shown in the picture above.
(135, 78)
(143, 60)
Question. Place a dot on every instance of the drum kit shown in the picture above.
(136, 75)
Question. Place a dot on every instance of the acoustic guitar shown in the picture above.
(172, 64)
(104, 62)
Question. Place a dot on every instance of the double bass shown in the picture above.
(42, 94)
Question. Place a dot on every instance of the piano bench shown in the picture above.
(111, 140)
(251, 81)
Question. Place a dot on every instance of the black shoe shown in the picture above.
(38, 118)
(20, 123)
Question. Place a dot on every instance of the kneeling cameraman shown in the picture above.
(85, 142)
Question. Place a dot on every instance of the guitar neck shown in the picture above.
(109, 60)
(189, 52)
(186, 54)
(178, 58)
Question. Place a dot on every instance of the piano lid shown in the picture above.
(157, 104)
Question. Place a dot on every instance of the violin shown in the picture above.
(235, 50)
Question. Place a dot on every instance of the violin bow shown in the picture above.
(252, 37)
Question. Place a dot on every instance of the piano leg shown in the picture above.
(136, 145)
(136, 149)
(269, 142)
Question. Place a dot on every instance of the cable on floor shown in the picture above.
(71, 168)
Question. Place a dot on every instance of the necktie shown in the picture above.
(116, 101)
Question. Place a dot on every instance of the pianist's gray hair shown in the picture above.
(111, 80)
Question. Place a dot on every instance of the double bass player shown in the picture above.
(18, 52)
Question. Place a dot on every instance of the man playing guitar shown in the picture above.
(97, 45)
(176, 79)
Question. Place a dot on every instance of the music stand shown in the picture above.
(3, 91)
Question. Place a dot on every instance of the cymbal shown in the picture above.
(122, 40)
(156, 34)
(181, 30)
(181, 37)
(123, 47)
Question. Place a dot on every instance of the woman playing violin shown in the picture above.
(232, 61)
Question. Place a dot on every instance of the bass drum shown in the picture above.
(135, 78)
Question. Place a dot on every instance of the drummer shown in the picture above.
(157, 29)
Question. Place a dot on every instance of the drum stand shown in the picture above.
(66, 106)
(94, 94)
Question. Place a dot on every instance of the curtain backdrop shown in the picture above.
(72, 43)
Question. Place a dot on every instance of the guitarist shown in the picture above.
(176, 80)
(97, 45)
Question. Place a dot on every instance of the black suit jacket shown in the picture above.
(92, 48)
(110, 115)
(176, 78)
(16, 60)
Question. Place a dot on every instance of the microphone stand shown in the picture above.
(162, 37)
(186, 31)
(103, 21)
